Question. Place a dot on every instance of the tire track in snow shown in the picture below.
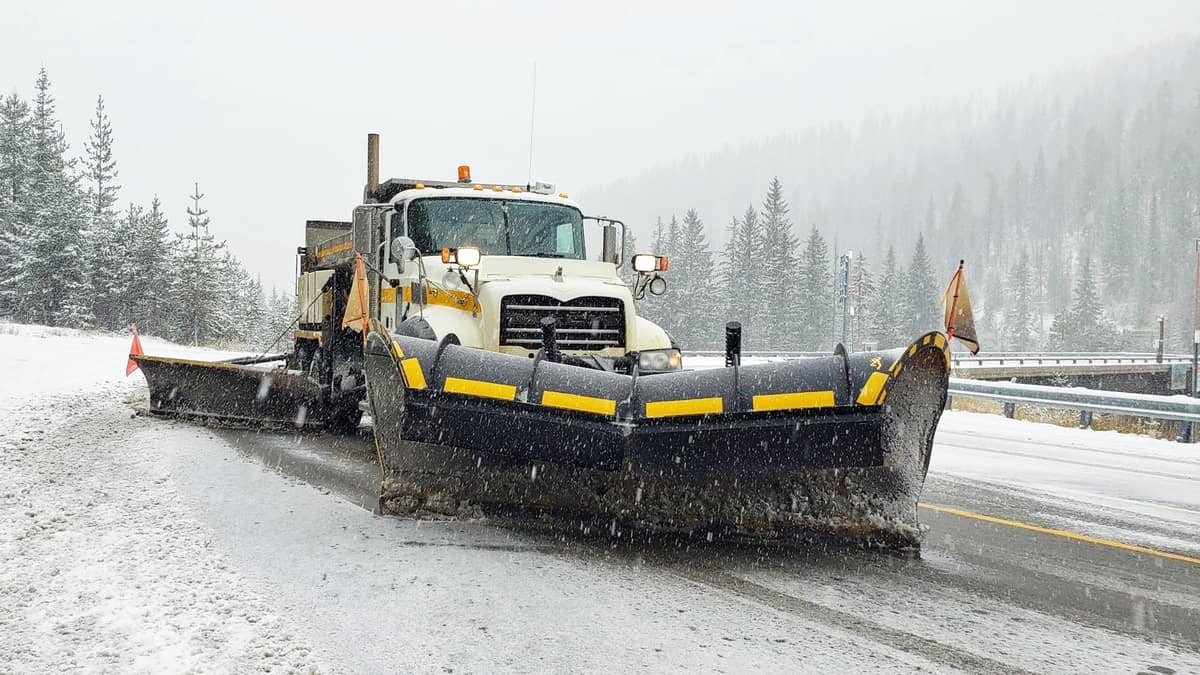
(910, 643)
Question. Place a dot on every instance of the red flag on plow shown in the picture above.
(960, 322)
(135, 349)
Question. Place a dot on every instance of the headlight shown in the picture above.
(659, 360)
(463, 256)
(644, 263)
(467, 256)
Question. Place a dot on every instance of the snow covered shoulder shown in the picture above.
(100, 566)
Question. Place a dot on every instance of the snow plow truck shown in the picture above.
(503, 369)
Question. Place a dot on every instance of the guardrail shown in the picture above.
(997, 358)
(1086, 401)
(1065, 358)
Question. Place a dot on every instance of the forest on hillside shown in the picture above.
(1075, 202)
(71, 256)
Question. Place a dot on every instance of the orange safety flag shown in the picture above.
(960, 323)
(356, 316)
(135, 349)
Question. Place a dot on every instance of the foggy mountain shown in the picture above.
(1096, 168)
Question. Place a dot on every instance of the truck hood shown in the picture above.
(504, 266)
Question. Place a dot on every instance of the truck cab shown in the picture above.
(481, 265)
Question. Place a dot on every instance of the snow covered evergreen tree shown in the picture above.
(151, 283)
(694, 295)
(921, 294)
(862, 290)
(110, 241)
(52, 282)
(281, 312)
(741, 277)
(779, 274)
(1083, 326)
(197, 289)
(815, 294)
(884, 318)
(1019, 326)
(16, 175)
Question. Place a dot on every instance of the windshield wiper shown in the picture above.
(545, 255)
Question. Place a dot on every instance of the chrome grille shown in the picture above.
(588, 323)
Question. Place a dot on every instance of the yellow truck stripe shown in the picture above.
(793, 400)
(872, 392)
(414, 377)
(387, 294)
(336, 248)
(591, 404)
(687, 406)
(457, 385)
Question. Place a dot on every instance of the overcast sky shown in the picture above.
(267, 104)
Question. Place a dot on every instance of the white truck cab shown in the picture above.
(483, 265)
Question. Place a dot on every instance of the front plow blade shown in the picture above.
(835, 445)
(231, 393)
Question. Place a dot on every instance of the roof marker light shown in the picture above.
(478, 187)
(563, 195)
(496, 188)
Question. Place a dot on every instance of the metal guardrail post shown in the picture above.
(1085, 419)
(1010, 409)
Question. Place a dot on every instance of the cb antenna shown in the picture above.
(532, 112)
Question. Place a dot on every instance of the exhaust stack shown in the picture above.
(372, 168)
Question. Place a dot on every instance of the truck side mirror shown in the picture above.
(609, 252)
(403, 250)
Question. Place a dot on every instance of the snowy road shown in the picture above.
(134, 544)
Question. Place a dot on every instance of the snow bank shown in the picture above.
(101, 569)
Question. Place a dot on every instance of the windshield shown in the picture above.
(496, 226)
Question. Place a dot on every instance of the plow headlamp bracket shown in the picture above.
(657, 285)
(659, 360)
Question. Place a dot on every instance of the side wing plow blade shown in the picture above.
(231, 393)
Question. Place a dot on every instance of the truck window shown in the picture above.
(496, 226)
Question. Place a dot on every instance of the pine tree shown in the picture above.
(53, 286)
(1083, 326)
(152, 280)
(1117, 242)
(1096, 332)
(281, 311)
(778, 265)
(742, 275)
(16, 169)
(1019, 319)
(110, 243)
(885, 324)
(659, 309)
(671, 246)
(815, 294)
(197, 291)
(695, 292)
(234, 299)
(921, 294)
(862, 289)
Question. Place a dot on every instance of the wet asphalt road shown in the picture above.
(982, 597)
